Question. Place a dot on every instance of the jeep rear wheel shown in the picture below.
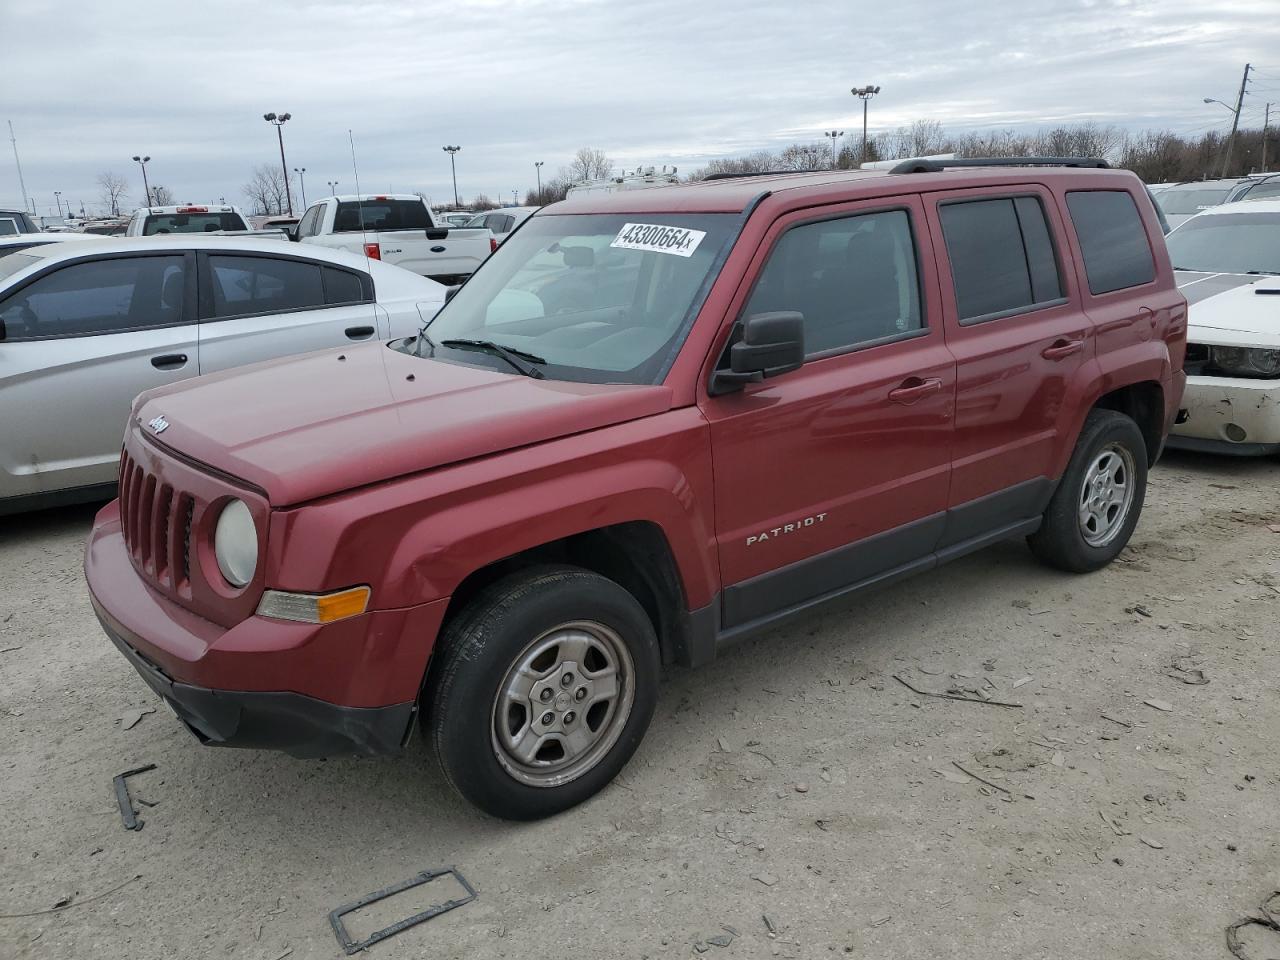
(547, 682)
(1096, 507)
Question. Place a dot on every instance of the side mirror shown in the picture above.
(292, 234)
(764, 345)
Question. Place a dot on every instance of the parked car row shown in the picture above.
(1181, 201)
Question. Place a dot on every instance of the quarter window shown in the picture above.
(245, 285)
(854, 280)
(342, 286)
(1001, 255)
(1116, 252)
(97, 297)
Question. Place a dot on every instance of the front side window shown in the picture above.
(854, 280)
(1001, 254)
(1116, 252)
(246, 285)
(9, 227)
(96, 297)
(1227, 243)
(162, 223)
(597, 298)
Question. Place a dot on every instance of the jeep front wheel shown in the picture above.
(547, 682)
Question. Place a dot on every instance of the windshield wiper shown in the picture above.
(520, 359)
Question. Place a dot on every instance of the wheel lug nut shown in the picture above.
(566, 680)
(580, 693)
(545, 695)
(548, 719)
(570, 717)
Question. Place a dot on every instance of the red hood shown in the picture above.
(304, 427)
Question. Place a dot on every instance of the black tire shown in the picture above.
(483, 643)
(1061, 540)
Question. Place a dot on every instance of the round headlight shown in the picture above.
(235, 543)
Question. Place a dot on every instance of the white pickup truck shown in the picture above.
(397, 229)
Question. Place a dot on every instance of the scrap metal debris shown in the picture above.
(1268, 919)
(127, 813)
(426, 876)
(1163, 705)
(1185, 670)
(67, 903)
(955, 696)
(993, 786)
(133, 717)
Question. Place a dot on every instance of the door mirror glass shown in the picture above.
(764, 345)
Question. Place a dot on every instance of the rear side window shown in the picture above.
(1112, 239)
(381, 215)
(854, 280)
(191, 223)
(246, 285)
(97, 297)
(1001, 254)
(342, 286)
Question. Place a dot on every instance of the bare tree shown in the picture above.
(114, 189)
(482, 202)
(804, 156)
(588, 163)
(161, 196)
(265, 191)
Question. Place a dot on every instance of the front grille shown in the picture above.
(156, 521)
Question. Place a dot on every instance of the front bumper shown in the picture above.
(309, 690)
(1232, 415)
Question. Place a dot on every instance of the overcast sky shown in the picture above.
(89, 84)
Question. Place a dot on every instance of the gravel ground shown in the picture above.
(1127, 813)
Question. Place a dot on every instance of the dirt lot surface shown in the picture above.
(1129, 813)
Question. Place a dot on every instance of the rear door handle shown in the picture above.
(913, 389)
(169, 361)
(359, 333)
(1062, 349)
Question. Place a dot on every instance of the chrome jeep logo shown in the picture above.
(786, 528)
(158, 424)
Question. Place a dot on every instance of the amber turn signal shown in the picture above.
(313, 607)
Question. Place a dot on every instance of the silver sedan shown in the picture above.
(86, 327)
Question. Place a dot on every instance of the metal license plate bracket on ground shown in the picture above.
(426, 876)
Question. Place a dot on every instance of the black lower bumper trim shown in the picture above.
(1225, 447)
(300, 726)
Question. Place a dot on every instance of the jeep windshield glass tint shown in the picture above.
(1227, 243)
(191, 223)
(1181, 202)
(603, 298)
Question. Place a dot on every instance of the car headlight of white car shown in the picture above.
(235, 543)
(1246, 362)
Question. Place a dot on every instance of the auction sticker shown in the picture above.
(658, 238)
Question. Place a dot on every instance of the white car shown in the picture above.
(453, 218)
(85, 327)
(186, 218)
(502, 221)
(1179, 202)
(1227, 262)
(23, 241)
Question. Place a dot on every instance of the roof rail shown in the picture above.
(937, 166)
(754, 173)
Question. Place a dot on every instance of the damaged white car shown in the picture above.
(1228, 265)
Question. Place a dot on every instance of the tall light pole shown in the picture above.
(146, 188)
(278, 122)
(834, 135)
(864, 94)
(18, 163)
(451, 151)
(57, 198)
(302, 182)
(333, 187)
(537, 168)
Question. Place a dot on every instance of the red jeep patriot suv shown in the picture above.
(652, 424)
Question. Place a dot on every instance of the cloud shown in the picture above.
(89, 84)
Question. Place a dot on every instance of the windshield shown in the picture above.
(1228, 243)
(12, 264)
(1263, 189)
(381, 215)
(1179, 201)
(191, 223)
(601, 298)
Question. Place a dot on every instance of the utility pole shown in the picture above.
(22, 183)
(1266, 122)
(1235, 122)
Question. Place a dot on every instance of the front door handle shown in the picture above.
(1062, 349)
(169, 361)
(914, 388)
(359, 333)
